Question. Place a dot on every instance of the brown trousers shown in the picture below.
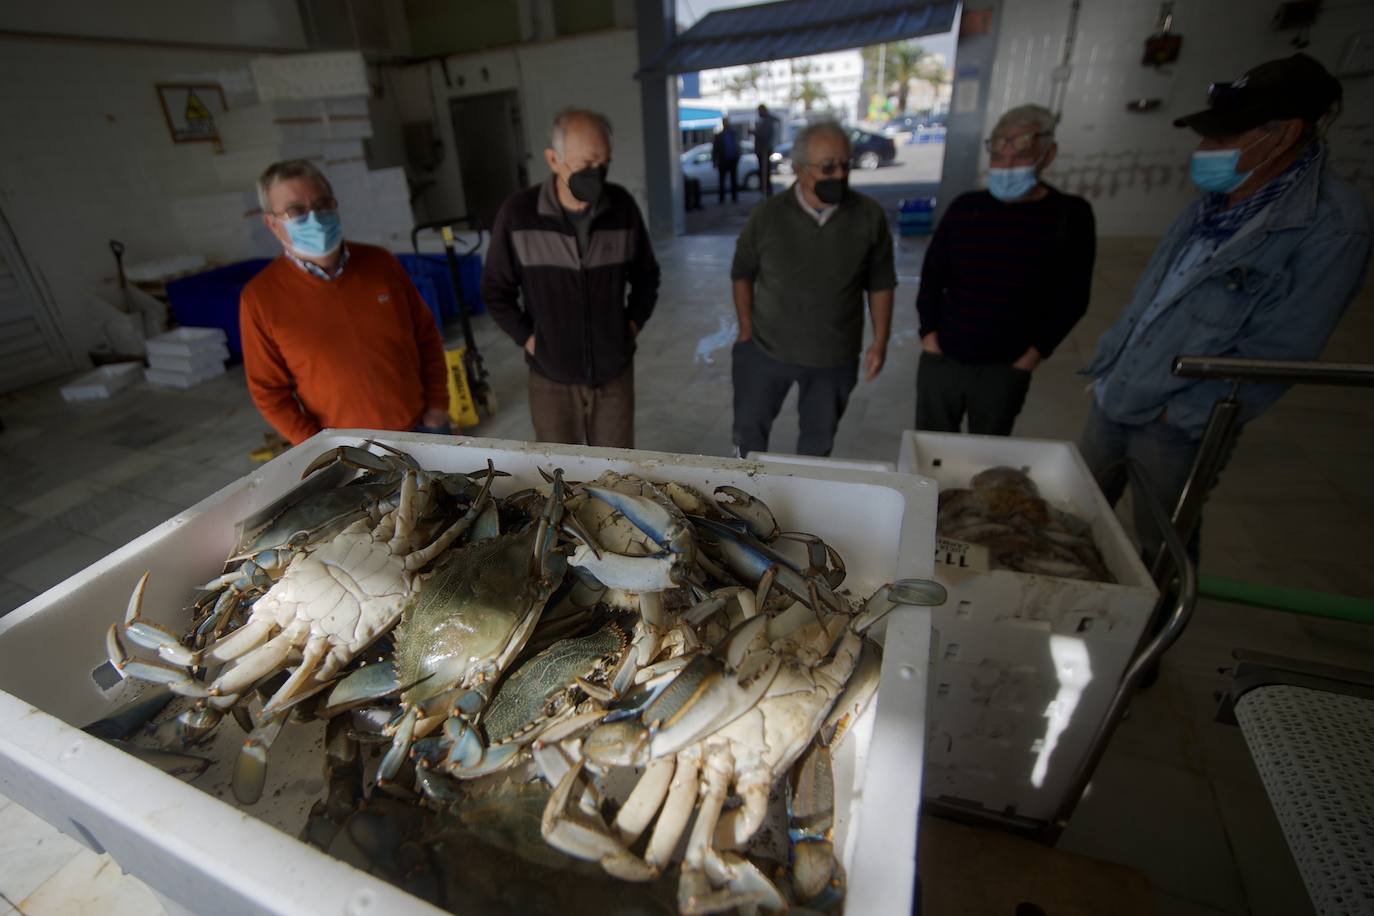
(584, 414)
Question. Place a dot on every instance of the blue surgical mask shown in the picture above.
(315, 234)
(1011, 184)
(1215, 170)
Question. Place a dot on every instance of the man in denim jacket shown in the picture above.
(1261, 265)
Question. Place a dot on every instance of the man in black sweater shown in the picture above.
(1006, 277)
(570, 275)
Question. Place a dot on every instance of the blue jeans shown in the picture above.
(444, 430)
(1163, 453)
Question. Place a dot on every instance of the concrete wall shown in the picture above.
(85, 154)
(590, 71)
(1134, 167)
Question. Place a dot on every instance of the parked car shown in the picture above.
(696, 163)
(869, 150)
(903, 124)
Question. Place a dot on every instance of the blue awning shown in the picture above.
(796, 28)
(695, 117)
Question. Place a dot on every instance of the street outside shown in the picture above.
(915, 173)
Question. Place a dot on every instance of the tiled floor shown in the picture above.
(1176, 796)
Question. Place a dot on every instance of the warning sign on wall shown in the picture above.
(190, 110)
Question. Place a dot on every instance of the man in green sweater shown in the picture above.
(801, 268)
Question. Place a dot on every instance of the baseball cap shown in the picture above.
(1290, 87)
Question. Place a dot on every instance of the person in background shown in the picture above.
(1006, 276)
(1261, 265)
(571, 277)
(801, 268)
(334, 333)
(725, 157)
(765, 138)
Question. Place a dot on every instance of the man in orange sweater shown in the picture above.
(334, 333)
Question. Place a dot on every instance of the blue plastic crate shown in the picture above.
(211, 299)
(430, 274)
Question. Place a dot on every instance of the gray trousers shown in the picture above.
(946, 390)
(761, 385)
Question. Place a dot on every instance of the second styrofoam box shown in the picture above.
(1025, 665)
(200, 852)
(186, 343)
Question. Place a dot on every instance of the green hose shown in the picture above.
(1292, 600)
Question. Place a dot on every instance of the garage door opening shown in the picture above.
(892, 97)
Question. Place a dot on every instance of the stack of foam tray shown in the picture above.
(186, 357)
(1025, 665)
(199, 853)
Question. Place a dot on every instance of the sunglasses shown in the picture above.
(831, 167)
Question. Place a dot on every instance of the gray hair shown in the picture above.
(1037, 116)
(801, 143)
(569, 116)
(286, 170)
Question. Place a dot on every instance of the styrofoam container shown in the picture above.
(1025, 665)
(102, 382)
(201, 853)
(199, 361)
(187, 343)
(175, 379)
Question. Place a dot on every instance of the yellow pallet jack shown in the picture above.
(469, 386)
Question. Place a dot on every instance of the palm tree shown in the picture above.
(808, 91)
(904, 63)
(746, 83)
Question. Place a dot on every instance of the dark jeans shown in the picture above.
(946, 389)
(729, 171)
(765, 176)
(1164, 453)
(444, 430)
(761, 385)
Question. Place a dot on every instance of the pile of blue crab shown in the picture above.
(582, 696)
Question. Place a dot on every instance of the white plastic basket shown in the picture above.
(200, 853)
(1024, 665)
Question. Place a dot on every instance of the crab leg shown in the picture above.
(645, 799)
(242, 641)
(315, 650)
(179, 680)
(677, 810)
(255, 665)
(250, 768)
(582, 836)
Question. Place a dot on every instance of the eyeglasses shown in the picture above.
(1021, 143)
(831, 167)
(321, 207)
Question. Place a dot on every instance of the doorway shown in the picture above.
(489, 133)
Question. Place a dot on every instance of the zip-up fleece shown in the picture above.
(576, 306)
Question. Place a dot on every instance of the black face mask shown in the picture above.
(586, 184)
(831, 190)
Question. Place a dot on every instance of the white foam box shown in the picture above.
(294, 122)
(310, 76)
(102, 383)
(199, 853)
(197, 363)
(187, 343)
(172, 378)
(1024, 665)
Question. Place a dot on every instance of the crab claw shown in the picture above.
(754, 513)
(351, 455)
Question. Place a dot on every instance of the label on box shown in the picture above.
(961, 555)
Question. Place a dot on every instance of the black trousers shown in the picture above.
(947, 389)
(729, 171)
(761, 385)
(765, 177)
